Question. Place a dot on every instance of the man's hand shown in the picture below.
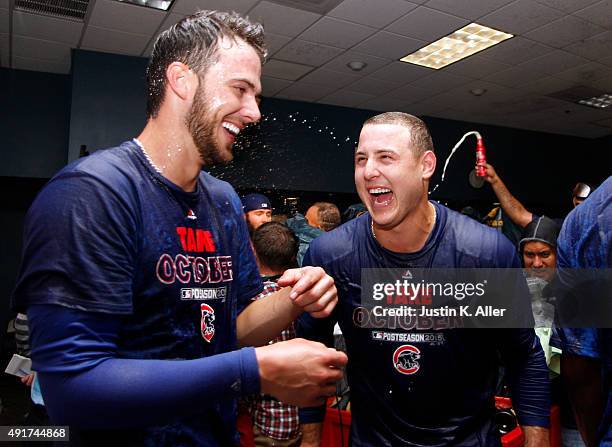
(300, 372)
(311, 289)
(490, 174)
(536, 436)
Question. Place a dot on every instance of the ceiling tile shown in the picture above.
(410, 94)
(372, 86)
(125, 17)
(469, 9)
(308, 53)
(47, 28)
(27, 47)
(389, 45)
(604, 84)
(599, 13)
(4, 50)
(187, 7)
(515, 50)
(401, 72)
(346, 98)
(303, 91)
(113, 41)
(271, 86)
(170, 20)
(440, 81)
(520, 17)
(564, 31)
(4, 4)
(34, 64)
(476, 67)
(285, 70)
(553, 62)
(594, 48)
(547, 85)
(322, 76)
(373, 63)
(427, 24)
(586, 73)
(282, 20)
(337, 33)
(567, 6)
(373, 13)
(514, 76)
(4, 21)
(274, 42)
(424, 109)
(385, 104)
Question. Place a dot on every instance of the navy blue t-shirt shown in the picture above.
(584, 243)
(447, 395)
(108, 234)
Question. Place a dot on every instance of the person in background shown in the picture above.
(257, 210)
(323, 215)
(275, 423)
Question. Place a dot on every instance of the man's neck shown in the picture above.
(171, 150)
(266, 271)
(411, 235)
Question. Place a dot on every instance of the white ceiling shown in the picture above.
(559, 44)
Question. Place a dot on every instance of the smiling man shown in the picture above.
(138, 275)
(445, 396)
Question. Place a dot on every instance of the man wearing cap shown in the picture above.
(538, 248)
(257, 210)
(515, 209)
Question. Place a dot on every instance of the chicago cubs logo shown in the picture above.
(405, 359)
(207, 326)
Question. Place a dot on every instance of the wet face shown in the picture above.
(226, 101)
(390, 180)
(257, 218)
(312, 216)
(539, 259)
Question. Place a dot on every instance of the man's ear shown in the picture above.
(428, 161)
(181, 80)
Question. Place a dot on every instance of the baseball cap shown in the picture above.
(255, 201)
(543, 229)
(581, 191)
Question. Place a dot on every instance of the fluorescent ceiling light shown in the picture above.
(462, 43)
(599, 102)
(164, 5)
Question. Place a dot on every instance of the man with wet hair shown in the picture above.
(423, 385)
(137, 272)
(323, 215)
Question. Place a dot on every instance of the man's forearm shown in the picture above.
(536, 436)
(263, 320)
(511, 206)
(311, 434)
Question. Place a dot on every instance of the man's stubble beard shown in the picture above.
(201, 125)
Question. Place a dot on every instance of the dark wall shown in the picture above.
(34, 117)
(108, 100)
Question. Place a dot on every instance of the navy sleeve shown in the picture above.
(316, 329)
(527, 375)
(79, 247)
(86, 385)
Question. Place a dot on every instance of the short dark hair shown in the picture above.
(194, 42)
(276, 246)
(419, 134)
(328, 214)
